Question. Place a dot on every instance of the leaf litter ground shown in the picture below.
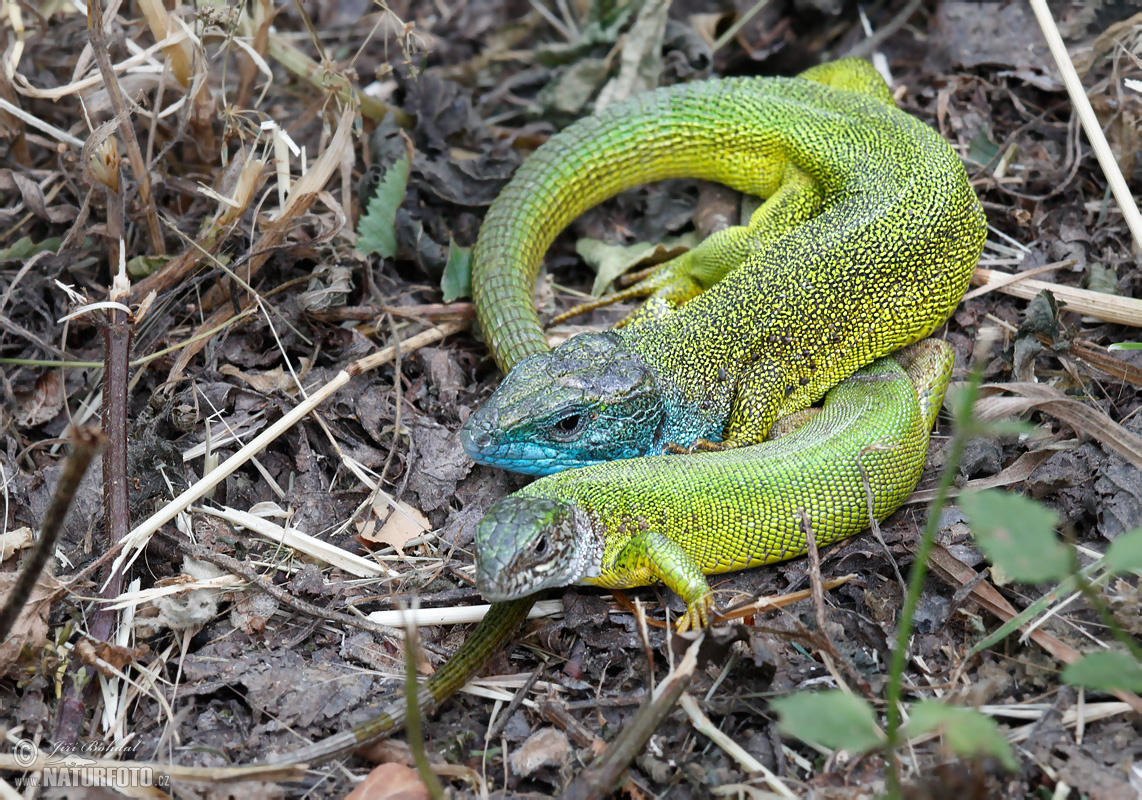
(378, 472)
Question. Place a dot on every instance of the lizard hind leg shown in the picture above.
(672, 283)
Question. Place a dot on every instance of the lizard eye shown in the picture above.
(567, 427)
(540, 546)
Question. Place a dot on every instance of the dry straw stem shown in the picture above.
(180, 54)
(137, 538)
(24, 87)
(703, 725)
(300, 198)
(303, 542)
(958, 574)
(1106, 307)
(1090, 124)
(324, 79)
(455, 615)
(243, 178)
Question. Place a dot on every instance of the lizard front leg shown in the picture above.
(651, 556)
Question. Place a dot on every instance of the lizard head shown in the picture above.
(587, 401)
(525, 544)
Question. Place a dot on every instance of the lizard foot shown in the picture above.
(699, 446)
(697, 614)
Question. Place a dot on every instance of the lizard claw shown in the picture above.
(706, 446)
(697, 614)
(699, 446)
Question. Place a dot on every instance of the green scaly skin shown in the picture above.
(794, 200)
(867, 242)
(676, 519)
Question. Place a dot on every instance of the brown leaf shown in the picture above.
(1084, 419)
(276, 379)
(403, 524)
(31, 628)
(91, 652)
(390, 782)
(43, 402)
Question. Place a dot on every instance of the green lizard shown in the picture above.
(678, 518)
(503, 293)
(866, 243)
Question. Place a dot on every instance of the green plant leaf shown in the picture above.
(968, 732)
(982, 150)
(1125, 552)
(1018, 535)
(376, 230)
(833, 719)
(1108, 669)
(457, 279)
(1126, 346)
(611, 260)
(142, 266)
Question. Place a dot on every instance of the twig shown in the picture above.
(644, 634)
(814, 571)
(601, 777)
(874, 525)
(829, 652)
(139, 536)
(95, 33)
(739, 23)
(1089, 122)
(412, 721)
(515, 703)
(865, 47)
(86, 442)
(704, 726)
(557, 714)
(118, 328)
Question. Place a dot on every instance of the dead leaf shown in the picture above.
(612, 260)
(545, 747)
(390, 782)
(43, 402)
(641, 56)
(251, 613)
(276, 379)
(30, 629)
(1084, 419)
(15, 540)
(93, 653)
(403, 524)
